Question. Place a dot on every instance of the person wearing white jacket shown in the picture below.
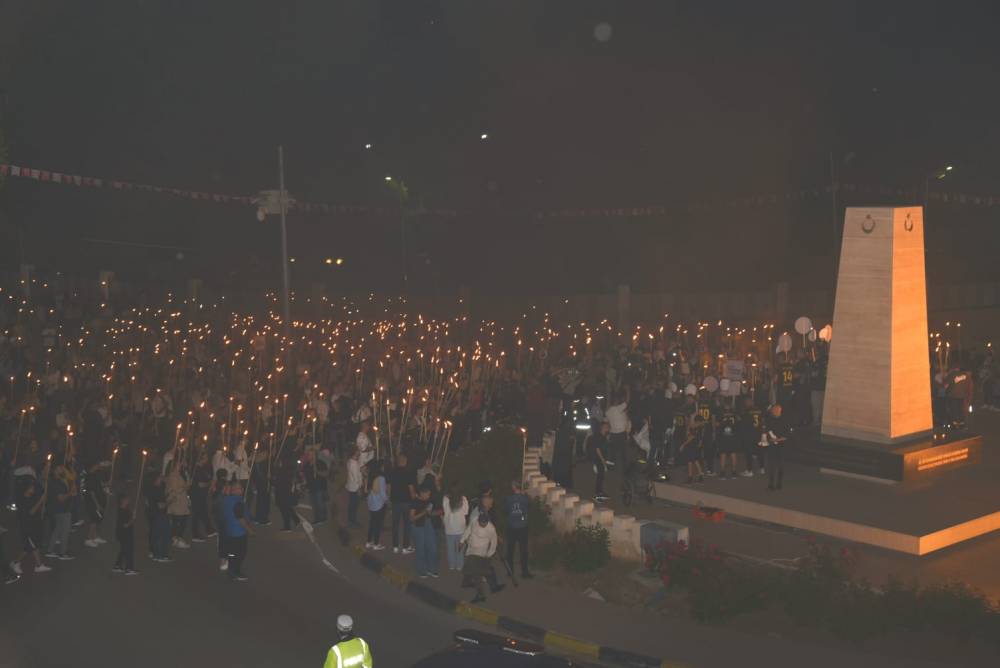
(456, 508)
(480, 540)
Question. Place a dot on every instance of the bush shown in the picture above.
(717, 588)
(858, 613)
(955, 610)
(811, 592)
(586, 549)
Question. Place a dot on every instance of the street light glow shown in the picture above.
(340, 261)
(484, 136)
(328, 260)
(388, 178)
(368, 147)
(948, 168)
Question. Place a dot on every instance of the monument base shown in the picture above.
(897, 462)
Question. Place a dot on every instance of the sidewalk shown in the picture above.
(677, 641)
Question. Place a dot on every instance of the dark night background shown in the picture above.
(687, 102)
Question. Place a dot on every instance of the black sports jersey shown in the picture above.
(727, 424)
(786, 376)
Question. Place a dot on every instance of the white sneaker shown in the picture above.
(16, 567)
(51, 555)
(763, 471)
(100, 541)
(91, 543)
(182, 544)
(224, 566)
(747, 474)
(43, 569)
(378, 547)
(368, 546)
(409, 550)
(395, 550)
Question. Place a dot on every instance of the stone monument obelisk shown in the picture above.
(878, 379)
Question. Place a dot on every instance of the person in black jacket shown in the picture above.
(201, 524)
(159, 524)
(598, 445)
(284, 495)
(125, 533)
(778, 433)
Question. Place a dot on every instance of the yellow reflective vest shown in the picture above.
(353, 653)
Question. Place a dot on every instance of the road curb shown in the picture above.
(552, 639)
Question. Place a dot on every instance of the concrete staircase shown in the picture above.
(568, 509)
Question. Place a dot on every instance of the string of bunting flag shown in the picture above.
(965, 199)
(50, 176)
(748, 201)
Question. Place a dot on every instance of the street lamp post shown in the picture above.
(270, 202)
(400, 189)
(937, 174)
(282, 201)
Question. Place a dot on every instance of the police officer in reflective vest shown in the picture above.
(350, 651)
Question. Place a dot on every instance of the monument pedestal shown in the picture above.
(886, 462)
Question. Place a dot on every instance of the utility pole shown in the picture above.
(285, 296)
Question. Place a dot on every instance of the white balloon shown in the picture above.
(691, 389)
(602, 32)
(711, 383)
(803, 325)
(784, 343)
(826, 333)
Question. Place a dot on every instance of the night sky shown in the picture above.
(686, 102)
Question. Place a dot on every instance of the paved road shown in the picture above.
(188, 614)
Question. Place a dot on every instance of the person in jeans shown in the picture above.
(216, 490)
(30, 500)
(422, 514)
(402, 490)
(353, 487)
(237, 529)
(456, 509)
(377, 498)
(61, 492)
(517, 505)
(178, 504)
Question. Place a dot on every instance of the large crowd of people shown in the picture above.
(187, 420)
